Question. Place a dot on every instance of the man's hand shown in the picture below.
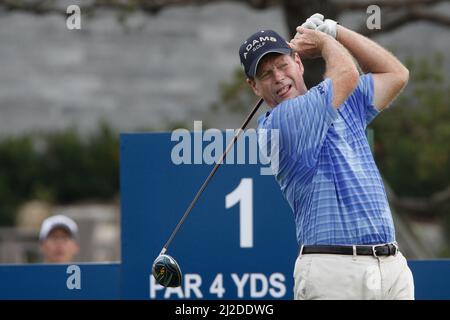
(308, 43)
(316, 22)
(313, 22)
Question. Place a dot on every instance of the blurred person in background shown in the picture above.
(58, 239)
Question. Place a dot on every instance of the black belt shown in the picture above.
(365, 250)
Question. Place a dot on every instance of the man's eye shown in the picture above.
(264, 75)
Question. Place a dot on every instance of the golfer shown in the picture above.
(326, 172)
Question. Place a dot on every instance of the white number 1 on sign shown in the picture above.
(243, 195)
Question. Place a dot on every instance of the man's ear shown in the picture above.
(252, 84)
(299, 62)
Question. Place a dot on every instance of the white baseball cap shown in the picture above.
(58, 221)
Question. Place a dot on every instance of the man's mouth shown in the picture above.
(282, 92)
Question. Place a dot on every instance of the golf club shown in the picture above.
(165, 269)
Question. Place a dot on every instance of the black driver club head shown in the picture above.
(166, 271)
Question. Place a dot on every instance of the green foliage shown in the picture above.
(235, 95)
(81, 169)
(412, 137)
(18, 167)
(61, 167)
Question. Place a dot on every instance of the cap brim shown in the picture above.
(60, 226)
(254, 66)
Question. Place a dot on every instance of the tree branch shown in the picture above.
(411, 15)
(35, 7)
(436, 18)
(391, 4)
(146, 6)
(437, 203)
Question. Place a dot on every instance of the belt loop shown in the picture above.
(354, 252)
(301, 251)
(374, 252)
(396, 248)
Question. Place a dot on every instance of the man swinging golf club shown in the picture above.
(344, 227)
(326, 170)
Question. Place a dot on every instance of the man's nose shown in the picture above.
(278, 75)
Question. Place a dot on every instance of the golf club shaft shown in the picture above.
(213, 171)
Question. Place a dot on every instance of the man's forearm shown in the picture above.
(370, 56)
(341, 69)
(337, 59)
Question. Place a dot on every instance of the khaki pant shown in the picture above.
(346, 277)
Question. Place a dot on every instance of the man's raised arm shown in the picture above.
(389, 74)
(340, 67)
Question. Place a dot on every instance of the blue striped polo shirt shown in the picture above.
(326, 169)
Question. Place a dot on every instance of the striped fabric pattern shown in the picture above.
(326, 169)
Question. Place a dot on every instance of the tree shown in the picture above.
(58, 167)
(76, 168)
(18, 169)
(412, 146)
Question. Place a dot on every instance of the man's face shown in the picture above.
(59, 247)
(279, 77)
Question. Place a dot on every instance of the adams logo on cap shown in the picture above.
(257, 43)
(257, 46)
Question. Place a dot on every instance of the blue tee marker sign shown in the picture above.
(238, 242)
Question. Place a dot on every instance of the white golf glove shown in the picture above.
(329, 27)
(313, 22)
(316, 22)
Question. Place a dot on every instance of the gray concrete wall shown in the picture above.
(158, 69)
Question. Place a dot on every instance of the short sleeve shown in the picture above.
(303, 123)
(360, 102)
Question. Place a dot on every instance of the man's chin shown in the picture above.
(288, 97)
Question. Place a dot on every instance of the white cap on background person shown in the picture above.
(58, 239)
(58, 221)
